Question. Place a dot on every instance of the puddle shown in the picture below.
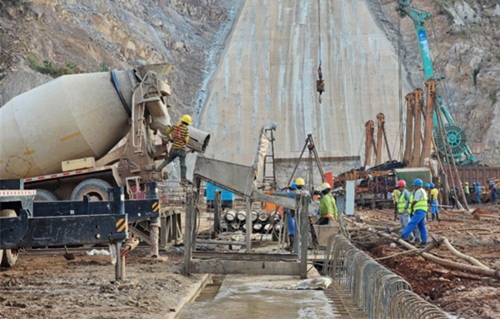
(211, 289)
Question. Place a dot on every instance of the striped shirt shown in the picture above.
(179, 135)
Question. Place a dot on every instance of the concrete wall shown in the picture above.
(268, 74)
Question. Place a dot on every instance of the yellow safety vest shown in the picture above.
(422, 203)
(402, 202)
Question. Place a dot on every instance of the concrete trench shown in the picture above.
(249, 297)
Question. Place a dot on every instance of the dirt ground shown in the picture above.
(460, 293)
(48, 286)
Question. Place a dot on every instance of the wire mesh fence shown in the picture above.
(376, 290)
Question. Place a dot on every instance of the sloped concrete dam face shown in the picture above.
(268, 74)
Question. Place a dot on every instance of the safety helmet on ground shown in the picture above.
(186, 119)
(401, 183)
(300, 181)
(418, 182)
(432, 185)
(426, 185)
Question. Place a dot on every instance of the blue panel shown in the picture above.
(210, 194)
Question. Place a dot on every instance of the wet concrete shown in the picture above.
(253, 297)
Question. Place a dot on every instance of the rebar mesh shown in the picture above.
(376, 290)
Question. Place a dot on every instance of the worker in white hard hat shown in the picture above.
(179, 135)
(327, 207)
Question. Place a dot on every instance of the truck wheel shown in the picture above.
(96, 189)
(9, 255)
(43, 195)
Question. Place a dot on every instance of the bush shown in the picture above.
(47, 67)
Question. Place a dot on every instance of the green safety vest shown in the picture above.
(402, 203)
(421, 204)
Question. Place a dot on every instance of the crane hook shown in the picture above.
(320, 83)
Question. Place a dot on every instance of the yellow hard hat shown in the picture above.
(186, 119)
(300, 181)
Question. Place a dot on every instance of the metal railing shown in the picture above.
(376, 290)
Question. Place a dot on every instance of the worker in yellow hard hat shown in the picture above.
(327, 206)
(179, 135)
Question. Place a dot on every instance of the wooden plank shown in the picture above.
(220, 242)
(188, 235)
(244, 256)
(239, 267)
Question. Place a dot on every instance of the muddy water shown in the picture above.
(254, 299)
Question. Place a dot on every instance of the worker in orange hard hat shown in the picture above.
(179, 135)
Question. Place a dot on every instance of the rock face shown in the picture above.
(91, 36)
(464, 38)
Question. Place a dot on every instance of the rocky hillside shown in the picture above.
(464, 37)
(42, 39)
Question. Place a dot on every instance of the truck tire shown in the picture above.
(43, 195)
(9, 255)
(95, 188)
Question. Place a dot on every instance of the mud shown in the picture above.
(41, 286)
(460, 293)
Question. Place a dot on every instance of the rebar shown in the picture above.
(376, 290)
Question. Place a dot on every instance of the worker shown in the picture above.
(434, 202)
(291, 192)
(477, 192)
(179, 135)
(395, 197)
(327, 207)
(467, 191)
(402, 203)
(419, 209)
(493, 193)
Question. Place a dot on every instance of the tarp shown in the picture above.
(410, 174)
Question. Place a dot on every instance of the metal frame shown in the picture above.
(248, 262)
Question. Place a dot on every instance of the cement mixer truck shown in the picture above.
(57, 137)
(63, 149)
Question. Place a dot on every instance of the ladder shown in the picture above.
(269, 168)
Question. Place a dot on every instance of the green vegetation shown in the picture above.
(47, 67)
(104, 67)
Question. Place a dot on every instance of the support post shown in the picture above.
(154, 223)
(248, 205)
(417, 129)
(297, 236)
(410, 101)
(217, 210)
(120, 263)
(189, 231)
(431, 99)
(380, 125)
(304, 235)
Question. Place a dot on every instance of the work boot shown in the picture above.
(433, 216)
(437, 216)
(290, 243)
